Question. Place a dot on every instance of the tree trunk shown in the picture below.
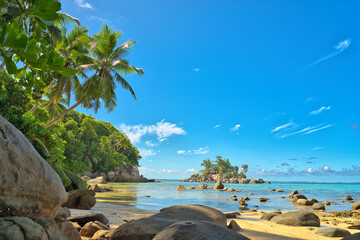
(56, 119)
(9, 55)
(35, 106)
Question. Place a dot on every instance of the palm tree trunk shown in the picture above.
(35, 106)
(55, 120)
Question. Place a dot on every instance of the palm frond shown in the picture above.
(124, 84)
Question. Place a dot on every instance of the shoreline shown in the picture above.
(251, 225)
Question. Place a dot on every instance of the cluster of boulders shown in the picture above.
(30, 192)
(94, 226)
(128, 173)
(213, 176)
(180, 222)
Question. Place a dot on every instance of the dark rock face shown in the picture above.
(332, 232)
(297, 218)
(219, 185)
(269, 216)
(197, 230)
(355, 206)
(80, 199)
(147, 228)
(29, 186)
(22, 228)
(82, 220)
(234, 226)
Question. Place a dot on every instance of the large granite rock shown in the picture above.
(29, 186)
(332, 232)
(90, 228)
(98, 180)
(22, 228)
(355, 236)
(269, 216)
(293, 193)
(80, 199)
(318, 206)
(297, 218)
(147, 228)
(201, 186)
(198, 230)
(219, 185)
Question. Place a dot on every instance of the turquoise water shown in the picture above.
(164, 194)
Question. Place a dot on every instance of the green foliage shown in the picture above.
(60, 172)
(223, 167)
(76, 181)
(41, 148)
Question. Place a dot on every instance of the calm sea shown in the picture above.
(164, 194)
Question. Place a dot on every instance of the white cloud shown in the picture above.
(282, 127)
(99, 19)
(216, 126)
(326, 168)
(339, 48)
(83, 4)
(309, 99)
(200, 151)
(317, 148)
(237, 126)
(196, 69)
(162, 129)
(151, 144)
(147, 152)
(164, 170)
(320, 110)
(309, 170)
(318, 129)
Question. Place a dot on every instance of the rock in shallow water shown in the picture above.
(29, 186)
(197, 230)
(297, 218)
(147, 228)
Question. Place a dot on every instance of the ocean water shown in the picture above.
(164, 194)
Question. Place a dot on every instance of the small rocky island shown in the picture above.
(222, 170)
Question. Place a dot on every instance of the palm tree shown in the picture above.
(54, 106)
(108, 66)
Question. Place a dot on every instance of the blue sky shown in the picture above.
(273, 84)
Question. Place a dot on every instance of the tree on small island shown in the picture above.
(223, 167)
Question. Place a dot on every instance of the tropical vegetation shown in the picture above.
(49, 66)
(223, 167)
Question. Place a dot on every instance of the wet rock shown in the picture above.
(293, 193)
(348, 198)
(147, 228)
(243, 208)
(269, 216)
(332, 232)
(233, 225)
(96, 188)
(250, 194)
(304, 202)
(280, 190)
(252, 181)
(29, 186)
(297, 218)
(318, 206)
(181, 188)
(296, 197)
(313, 200)
(219, 185)
(246, 199)
(327, 203)
(230, 190)
(191, 187)
(272, 190)
(262, 199)
(198, 230)
(201, 186)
